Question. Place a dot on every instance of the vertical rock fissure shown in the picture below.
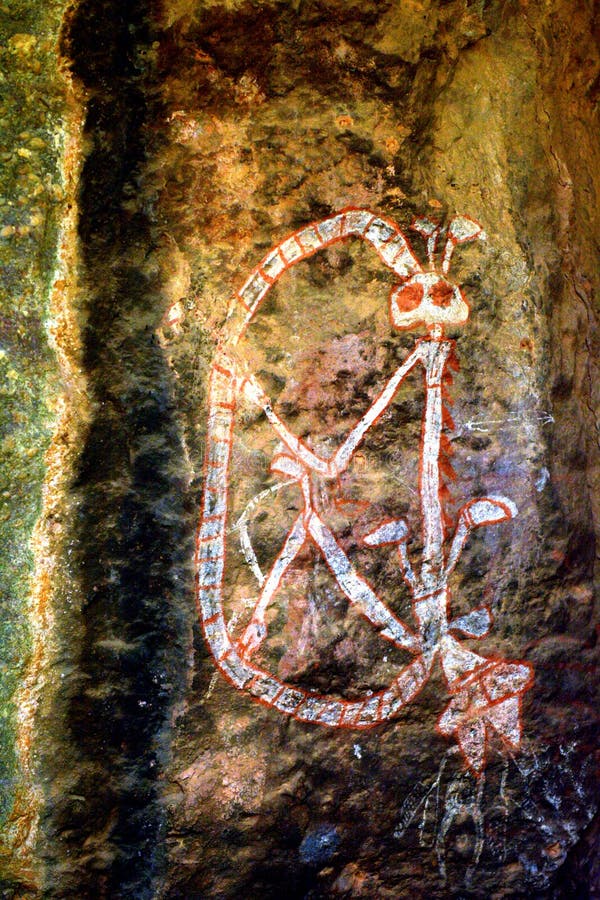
(129, 535)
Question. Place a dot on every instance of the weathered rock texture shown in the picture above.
(33, 206)
(201, 134)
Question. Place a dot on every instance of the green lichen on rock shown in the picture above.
(31, 111)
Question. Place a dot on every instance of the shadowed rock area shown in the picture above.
(203, 134)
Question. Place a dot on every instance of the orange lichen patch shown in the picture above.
(351, 881)
(16, 851)
(247, 91)
(555, 850)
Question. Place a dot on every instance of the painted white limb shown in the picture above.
(341, 459)
(356, 588)
(459, 540)
(249, 554)
(434, 357)
(256, 630)
(344, 454)
(395, 532)
(484, 511)
(430, 481)
(431, 232)
(242, 526)
(295, 445)
(254, 392)
(406, 569)
(460, 230)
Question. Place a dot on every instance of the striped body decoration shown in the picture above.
(382, 234)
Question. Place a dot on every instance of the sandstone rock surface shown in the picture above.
(196, 136)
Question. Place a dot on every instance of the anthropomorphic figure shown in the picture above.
(484, 692)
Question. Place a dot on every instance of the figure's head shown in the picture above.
(428, 298)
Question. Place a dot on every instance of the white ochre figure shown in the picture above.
(485, 693)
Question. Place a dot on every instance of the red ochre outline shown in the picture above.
(444, 425)
(355, 707)
(389, 521)
(416, 359)
(416, 322)
(488, 664)
(466, 511)
(352, 709)
(471, 637)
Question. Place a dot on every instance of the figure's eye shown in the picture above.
(441, 293)
(409, 297)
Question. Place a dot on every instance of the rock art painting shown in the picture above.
(485, 692)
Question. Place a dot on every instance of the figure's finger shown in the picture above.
(482, 511)
(475, 624)
(488, 511)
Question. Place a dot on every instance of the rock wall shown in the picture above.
(39, 129)
(421, 732)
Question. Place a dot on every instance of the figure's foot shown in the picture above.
(252, 638)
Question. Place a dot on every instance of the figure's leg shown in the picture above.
(256, 630)
(356, 588)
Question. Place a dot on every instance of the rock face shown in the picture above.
(412, 599)
(33, 207)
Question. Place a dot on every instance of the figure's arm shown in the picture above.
(339, 461)
(253, 391)
(343, 455)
